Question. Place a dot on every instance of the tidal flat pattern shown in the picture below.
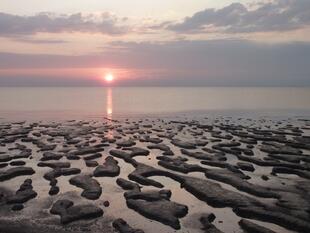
(219, 174)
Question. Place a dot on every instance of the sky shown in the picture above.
(155, 43)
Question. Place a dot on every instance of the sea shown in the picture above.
(54, 103)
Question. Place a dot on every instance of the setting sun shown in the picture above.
(109, 78)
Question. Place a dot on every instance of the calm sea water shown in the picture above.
(76, 102)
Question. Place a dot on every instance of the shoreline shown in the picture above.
(68, 115)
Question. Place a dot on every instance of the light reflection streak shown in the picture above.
(109, 103)
(109, 111)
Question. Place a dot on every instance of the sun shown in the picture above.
(109, 78)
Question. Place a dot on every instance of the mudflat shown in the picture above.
(219, 174)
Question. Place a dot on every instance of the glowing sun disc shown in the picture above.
(109, 78)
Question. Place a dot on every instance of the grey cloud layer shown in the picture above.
(14, 25)
(278, 15)
(186, 63)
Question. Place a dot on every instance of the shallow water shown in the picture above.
(89, 102)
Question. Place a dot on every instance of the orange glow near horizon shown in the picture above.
(101, 75)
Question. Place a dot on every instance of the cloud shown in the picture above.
(277, 15)
(39, 41)
(14, 25)
(186, 63)
(265, 16)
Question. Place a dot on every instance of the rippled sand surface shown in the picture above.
(206, 174)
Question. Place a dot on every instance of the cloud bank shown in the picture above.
(271, 16)
(105, 23)
(183, 63)
(277, 15)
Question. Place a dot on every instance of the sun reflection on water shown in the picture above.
(109, 111)
(109, 103)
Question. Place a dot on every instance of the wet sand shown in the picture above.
(219, 174)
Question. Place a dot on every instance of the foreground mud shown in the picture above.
(155, 175)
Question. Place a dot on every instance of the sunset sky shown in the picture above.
(155, 43)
